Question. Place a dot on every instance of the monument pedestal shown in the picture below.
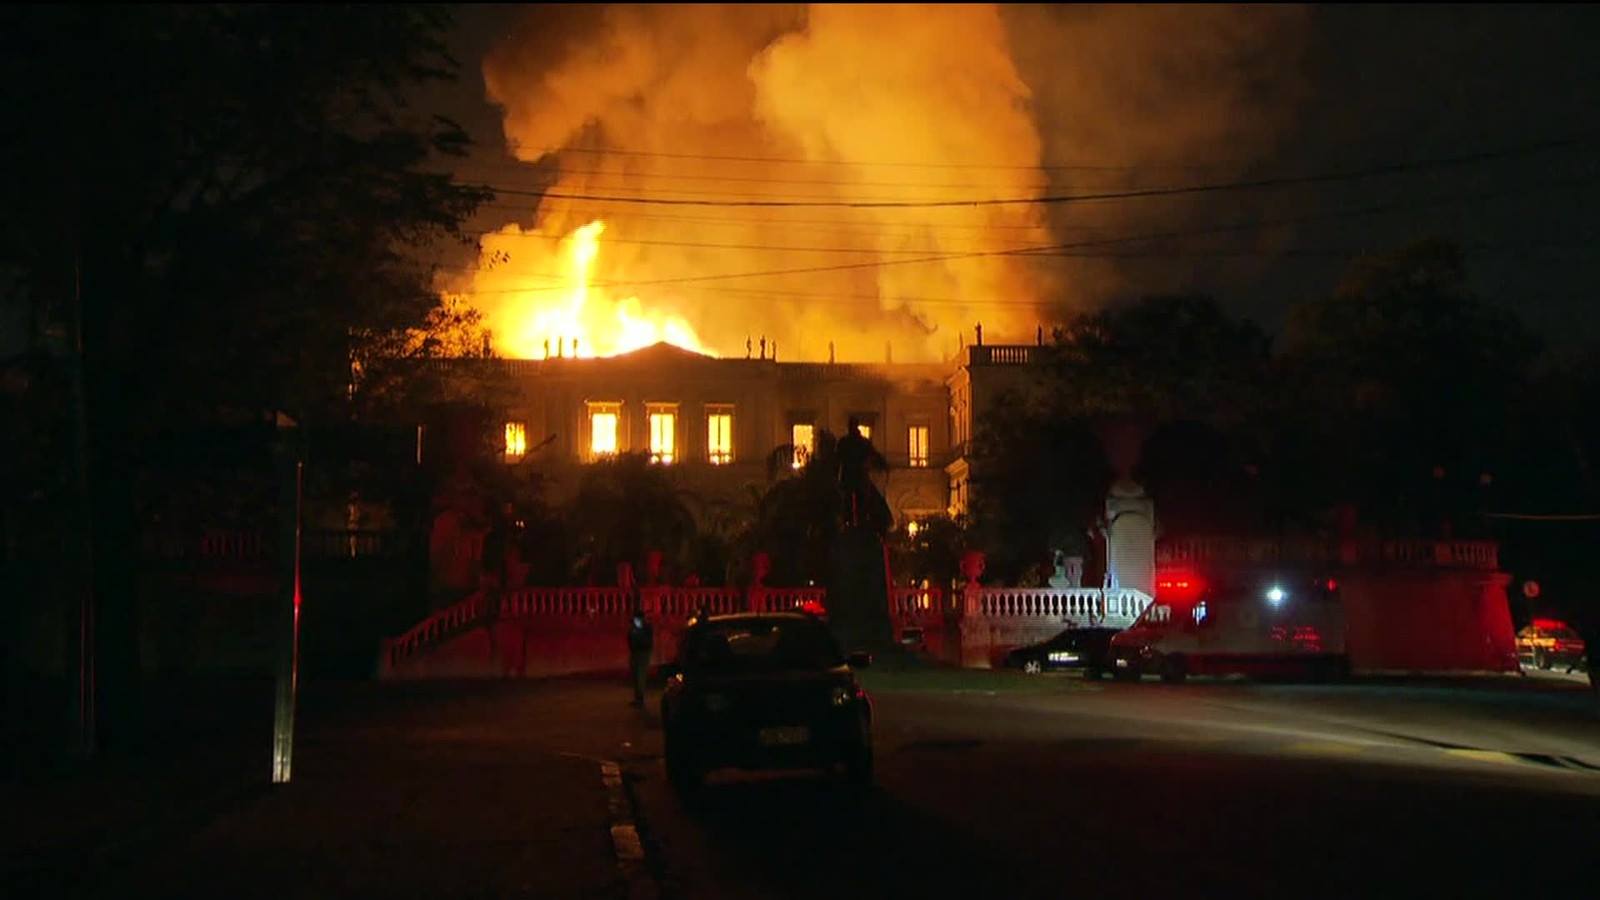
(858, 592)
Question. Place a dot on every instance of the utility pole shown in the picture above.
(291, 472)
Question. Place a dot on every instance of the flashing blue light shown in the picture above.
(1275, 594)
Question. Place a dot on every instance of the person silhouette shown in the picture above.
(641, 643)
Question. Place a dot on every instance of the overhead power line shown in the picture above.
(833, 225)
(1074, 245)
(767, 179)
(1137, 254)
(922, 164)
(1142, 193)
(898, 164)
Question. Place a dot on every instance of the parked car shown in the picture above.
(1550, 644)
(765, 691)
(1076, 648)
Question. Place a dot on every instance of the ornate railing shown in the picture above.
(252, 547)
(1004, 354)
(669, 607)
(438, 626)
(916, 603)
(1125, 605)
(528, 602)
(682, 602)
(1116, 607)
(352, 544)
(785, 599)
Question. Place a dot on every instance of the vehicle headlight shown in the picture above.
(842, 696)
(715, 703)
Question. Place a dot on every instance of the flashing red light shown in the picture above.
(1333, 585)
(1549, 624)
(1182, 584)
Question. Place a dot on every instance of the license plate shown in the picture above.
(784, 736)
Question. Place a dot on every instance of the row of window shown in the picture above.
(604, 419)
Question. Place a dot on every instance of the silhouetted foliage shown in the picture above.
(1395, 391)
(625, 507)
(234, 206)
(800, 512)
(933, 555)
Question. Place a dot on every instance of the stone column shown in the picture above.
(1130, 537)
(973, 631)
(760, 568)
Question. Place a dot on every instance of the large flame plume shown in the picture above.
(846, 103)
(576, 318)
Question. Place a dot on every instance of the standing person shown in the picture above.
(641, 641)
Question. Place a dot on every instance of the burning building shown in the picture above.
(857, 183)
(716, 423)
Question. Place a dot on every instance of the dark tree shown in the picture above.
(800, 513)
(1395, 392)
(1038, 484)
(932, 554)
(232, 206)
(624, 508)
(1174, 368)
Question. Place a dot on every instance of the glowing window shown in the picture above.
(516, 441)
(663, 434)
(719, 435)
(917, 438)
(803, 436)
(603, 421)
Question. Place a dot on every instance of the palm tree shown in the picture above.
(624, 508)
(801, 512)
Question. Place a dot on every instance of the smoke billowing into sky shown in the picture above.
(858, 104)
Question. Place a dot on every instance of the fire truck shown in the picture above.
(1263, 624)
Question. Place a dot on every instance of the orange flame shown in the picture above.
(583, 320)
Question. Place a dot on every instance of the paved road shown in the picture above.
(990, 785)
(1057, 787)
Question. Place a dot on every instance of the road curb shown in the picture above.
(638, 879)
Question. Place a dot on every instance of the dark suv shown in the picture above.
(764, 691)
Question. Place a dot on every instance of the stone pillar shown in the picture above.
(973, 631)
(1130, 537)
(760, 568)
(971, 593)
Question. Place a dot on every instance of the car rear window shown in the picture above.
(760, 644)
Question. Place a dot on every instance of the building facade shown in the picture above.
(716, 424)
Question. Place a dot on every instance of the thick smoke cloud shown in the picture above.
(1009, 102)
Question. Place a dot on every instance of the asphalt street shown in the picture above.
(990, 784)
(1056, 787)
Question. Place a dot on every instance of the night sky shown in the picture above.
(1365, 86)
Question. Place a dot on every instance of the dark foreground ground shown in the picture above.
(990, 785)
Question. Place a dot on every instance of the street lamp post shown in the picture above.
(291, 472)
